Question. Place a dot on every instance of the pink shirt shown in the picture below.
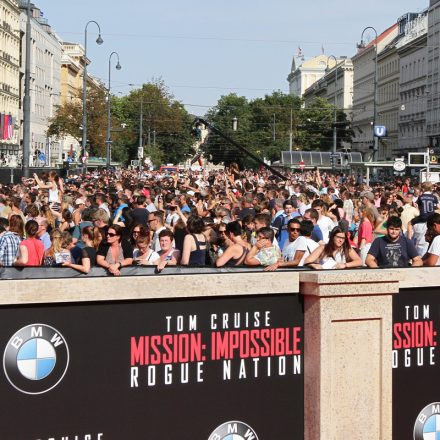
(365, 231)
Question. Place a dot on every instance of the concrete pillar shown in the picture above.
(348, 335)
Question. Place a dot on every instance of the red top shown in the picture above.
(35, 250)
(365, 231)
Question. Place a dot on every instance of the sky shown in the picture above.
(205, 49)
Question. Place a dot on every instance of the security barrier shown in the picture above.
(220, 353)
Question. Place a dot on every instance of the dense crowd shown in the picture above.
(114, 219)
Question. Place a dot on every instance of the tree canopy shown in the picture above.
(266, 126)
(166, 125)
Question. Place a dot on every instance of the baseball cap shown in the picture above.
(368, 194)
(80, 202)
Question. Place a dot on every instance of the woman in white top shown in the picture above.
(336, 254)
(144, 255)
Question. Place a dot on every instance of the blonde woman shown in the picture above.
(57, 253)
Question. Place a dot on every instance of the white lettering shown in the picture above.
(134, 374)
(192, 322)
(16, 342)
(282, 365)
(168, 374)
(36, 331)
(56, 340)
(151, 375)
(232, 428)
(168, 318)
(199, 371)
(226, 370)
(242, 374)
(184, 373)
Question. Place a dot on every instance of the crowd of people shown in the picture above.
(114, 219)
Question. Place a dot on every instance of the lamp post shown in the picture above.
(362, 45)
(334, 109)
(109, 141)
(99, 40)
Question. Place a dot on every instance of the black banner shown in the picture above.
(416, 364)
(203, 369)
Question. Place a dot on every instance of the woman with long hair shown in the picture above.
(57, 253)
(195, 244)
(46, 212)
(336, 254)
(66, 222)
(31, 249)
(237, 246)
(365, 232)
(91, 237)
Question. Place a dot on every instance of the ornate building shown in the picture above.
(45, 84)
(9, 81)
(302, 77)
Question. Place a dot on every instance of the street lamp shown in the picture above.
(108, 141)
(334, 105)
(99, 40)
(362, 45)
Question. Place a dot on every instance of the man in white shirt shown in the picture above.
(296, 251)
(325, 223)
(432, 256)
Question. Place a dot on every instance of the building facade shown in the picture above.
(412, 50)
(44, 86)
(337, 82)
(72, 69)
(432, 75)
(363, 91)
(388, 100)
(9, 82)
(302, 77)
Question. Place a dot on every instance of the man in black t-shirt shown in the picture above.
(393, 250)
(140, 213)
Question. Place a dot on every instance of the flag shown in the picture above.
(71, 151)
(10, 127)
(299, 54)
(6, 127)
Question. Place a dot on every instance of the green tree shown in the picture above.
(68, 120)
(222, 117)
(316, 129)
(266, 126)
(166, 125)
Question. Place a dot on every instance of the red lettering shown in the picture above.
(137, 351)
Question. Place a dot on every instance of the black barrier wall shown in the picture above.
(416, 364)
(175, 369)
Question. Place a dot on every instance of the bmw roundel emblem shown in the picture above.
(427, 425)
(36, 359)
(233, 430)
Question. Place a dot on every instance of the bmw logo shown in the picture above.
(427, 426)
(36, 359)
(234, 430)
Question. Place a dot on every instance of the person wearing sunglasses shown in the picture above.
(115, 253)
(336, 254)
